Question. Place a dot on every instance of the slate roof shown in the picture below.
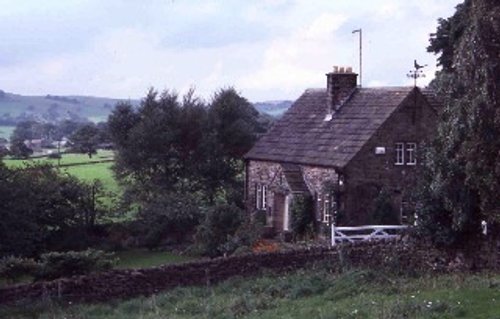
(294, 178)
(302, 136)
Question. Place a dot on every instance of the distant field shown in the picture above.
(6, 131)
(66, 159)
(88, 172)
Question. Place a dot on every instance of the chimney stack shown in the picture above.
(339, 86)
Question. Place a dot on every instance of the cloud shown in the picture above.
(295, 60)
(270, 49)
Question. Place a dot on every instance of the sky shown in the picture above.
(266, 49)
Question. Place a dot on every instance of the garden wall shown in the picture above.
(391, 256)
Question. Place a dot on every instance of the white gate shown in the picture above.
(364, 233)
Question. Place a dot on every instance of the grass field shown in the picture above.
(69, 158)
(6, 131)
(312, 293)
(89, 172)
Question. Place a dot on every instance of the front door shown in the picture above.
(279, 212)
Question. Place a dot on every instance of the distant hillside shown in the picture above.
(51, 108)
(273, 108)
(15, 108)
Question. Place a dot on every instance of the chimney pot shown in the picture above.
(340, 84)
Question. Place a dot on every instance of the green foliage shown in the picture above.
(220, 223)
(462, 184)
(65, 264)
(384, 212)
(20, 150)
(169, 217)
(302, 211)
(247, 234)
(182, 145)
(41, 209)
(85, 139)
(13, 268)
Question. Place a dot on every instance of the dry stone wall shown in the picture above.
(105, 286)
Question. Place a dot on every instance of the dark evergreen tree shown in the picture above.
(462, 184)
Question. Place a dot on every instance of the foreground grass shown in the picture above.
(142, 258)
(312, 293)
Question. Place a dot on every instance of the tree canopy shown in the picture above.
(183, 144)
(462, 187)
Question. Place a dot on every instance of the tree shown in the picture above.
(85, 139)
(19, 149)
(462, 184)
(42, 210)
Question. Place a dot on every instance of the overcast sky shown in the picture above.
(268, 49)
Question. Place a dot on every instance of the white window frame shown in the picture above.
(326, 209)
(264, 196)
(400, 154)
(411, 151)
(260, 196)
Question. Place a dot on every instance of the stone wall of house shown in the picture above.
(269, 173)
(262, 172)
(315, 177)
(391, 256)
(407, 124)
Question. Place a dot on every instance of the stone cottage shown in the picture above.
(342, 146)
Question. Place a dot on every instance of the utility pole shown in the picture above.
(360, 31)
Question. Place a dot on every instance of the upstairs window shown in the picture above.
(400, 154)
(411, 150)
(260, 196)
(406, 154)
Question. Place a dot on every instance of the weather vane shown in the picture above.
(417, 73)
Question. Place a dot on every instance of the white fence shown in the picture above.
(363, 233)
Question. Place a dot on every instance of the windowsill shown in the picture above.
(411, 164)
(399, 164)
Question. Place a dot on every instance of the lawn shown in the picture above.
(69, 158)
(88, 172)
(6, 131)
(311, 293)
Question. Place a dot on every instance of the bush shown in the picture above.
(221, 222)
(169, 217)
(13, 268)
(302, 210)
(245, 237)
(54, 155)
(384, 212)
(65, 264)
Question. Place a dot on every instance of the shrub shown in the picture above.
(245, 237)
(302, 209)
(13, 268)
(54, 155)
(221, 222)
(384, 212)
(169, 217)
(64, 264)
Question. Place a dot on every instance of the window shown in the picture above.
(260, 196)
(400, 154)
(406, 154)
(326, 209)
(411, 149)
